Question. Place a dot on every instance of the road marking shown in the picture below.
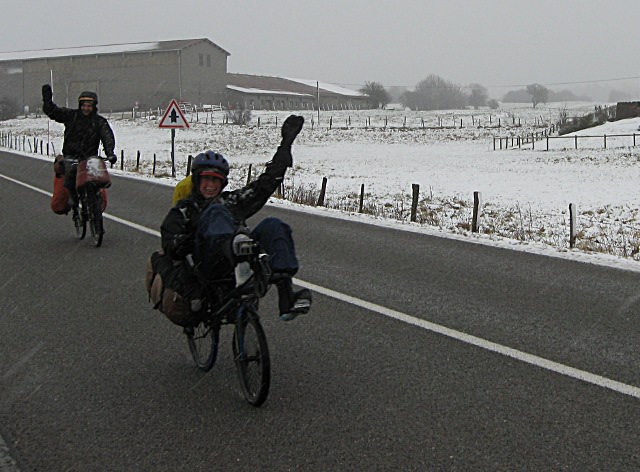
(531, 359)
(108, 216)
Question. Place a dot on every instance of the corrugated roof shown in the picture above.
(175, 45)
(266, 92)
(279, 84)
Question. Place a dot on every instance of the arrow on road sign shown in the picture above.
(173, 117)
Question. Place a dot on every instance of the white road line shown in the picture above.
(479, 342)
(108, 216)
(531, 359)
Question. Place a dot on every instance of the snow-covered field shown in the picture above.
(525, 193)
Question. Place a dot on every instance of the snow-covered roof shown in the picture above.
(104, 49)
(264, 91)
(329, 87)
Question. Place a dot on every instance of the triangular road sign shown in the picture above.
(173, 117)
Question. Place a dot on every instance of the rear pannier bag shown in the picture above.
(162, 282)
(60, 198)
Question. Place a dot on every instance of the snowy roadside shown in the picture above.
(525, 193)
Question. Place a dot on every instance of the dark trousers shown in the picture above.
(274, 236)
(70, 173)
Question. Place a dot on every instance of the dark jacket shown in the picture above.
(179, 227)
(82, 134)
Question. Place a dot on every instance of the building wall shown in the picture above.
(267, 101)
(203, 74)
(122, 81)
(149, 79)
(11, 83)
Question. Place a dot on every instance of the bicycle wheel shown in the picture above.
(79, 221)
(251, 355)
(94, 204)
(203, 344)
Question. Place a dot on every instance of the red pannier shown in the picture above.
(60, 199)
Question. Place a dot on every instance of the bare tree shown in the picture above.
(435, 93)
(478, 96)
(378, 95)
(539, 93)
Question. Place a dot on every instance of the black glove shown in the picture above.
(112, 159)
(290, 129)
(47, 94)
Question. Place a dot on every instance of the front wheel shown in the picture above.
(203, 343)
(251, 355)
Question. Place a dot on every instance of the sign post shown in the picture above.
(173, 119)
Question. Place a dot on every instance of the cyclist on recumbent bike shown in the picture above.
(210, 210)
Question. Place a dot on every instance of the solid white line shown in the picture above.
(479, 342)
(108, 216)
(531, 359)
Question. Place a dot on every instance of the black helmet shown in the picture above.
(209, 163)
(91, 97)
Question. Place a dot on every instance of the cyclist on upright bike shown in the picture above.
(84, 130)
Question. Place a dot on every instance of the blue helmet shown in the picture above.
(209, 163)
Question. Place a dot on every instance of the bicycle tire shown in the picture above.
(79, 222)
(203, 344)
(252, 361)
(94, 207)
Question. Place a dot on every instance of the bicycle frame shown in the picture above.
(91, 177)
(223, 304)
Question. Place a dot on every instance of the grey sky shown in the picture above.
(492, 42)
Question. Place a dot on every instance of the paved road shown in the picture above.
(421, 353)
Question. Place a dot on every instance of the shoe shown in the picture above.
(301, 304)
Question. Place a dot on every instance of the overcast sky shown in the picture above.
(500, 44)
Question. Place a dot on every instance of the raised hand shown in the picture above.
(47, 93)
(290, 128)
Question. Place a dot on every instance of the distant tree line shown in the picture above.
(436, 93)
(542, 95)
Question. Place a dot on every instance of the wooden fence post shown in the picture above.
(153, 172)
(138, 162)
(414, 201)
(361, 198)
(121, 159)
(477, 203)
(323, 189)
(572, 225)
(249, 175)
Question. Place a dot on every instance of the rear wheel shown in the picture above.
(79, 221)
(203, 344)
(251, 355)
(94, 203)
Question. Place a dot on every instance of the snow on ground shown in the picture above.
(525, 192)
